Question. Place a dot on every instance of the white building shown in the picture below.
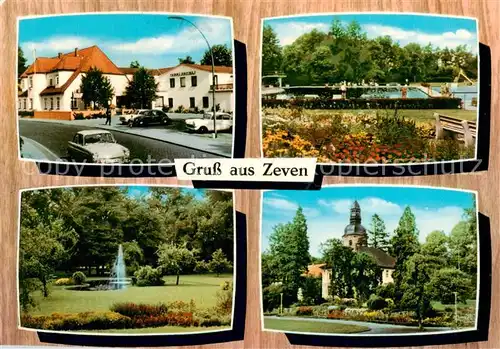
(54, 83)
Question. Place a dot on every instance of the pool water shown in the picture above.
(412, 92)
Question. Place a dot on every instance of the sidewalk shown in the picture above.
(221, 146)
(33, 150)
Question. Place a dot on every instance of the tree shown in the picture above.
(135, 64)
(96, 88)
(133, 256)
(289, 248)
(339, 258)
(272, 56)
(176, 259)
(463, 243)
(222, 56)
(404, 244)
(187, 60)
(446, 282)
(21, 61)
(141, 90)
(378, 236)
(436, 247)
(417, 295)
(219, 263)
(366, 275)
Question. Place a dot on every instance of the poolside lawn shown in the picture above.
(471, 303)
(422, 115)
(201, 288)
(163, 329)
(311, 326)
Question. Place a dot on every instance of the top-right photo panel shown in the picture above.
(370, 88)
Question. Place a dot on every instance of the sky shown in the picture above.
(327, 210)
(143, 190)
(154, 40)
(403, 28)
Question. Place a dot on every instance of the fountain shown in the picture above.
(118, 279)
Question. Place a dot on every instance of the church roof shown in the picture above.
(383, 259)
(355, 227)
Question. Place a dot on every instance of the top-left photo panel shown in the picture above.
(125, 88)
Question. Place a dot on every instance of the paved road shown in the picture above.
(375, 327)
(55, 137)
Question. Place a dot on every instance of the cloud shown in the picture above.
(53, 45)
(281, 204)
(288, 32)
(404, 37)
(368, 205)
(187, 40)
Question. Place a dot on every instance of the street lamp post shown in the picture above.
(213, 65)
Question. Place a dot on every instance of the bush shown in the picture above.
(304, 311)
(133, 310)
(385, 291)
(224, 299)
(79, 278)
(26, 113)
(360, 103)
(79, 321)
(149, 276)
(376, 303)
(64, 282)
(78, 116)
(201, 267)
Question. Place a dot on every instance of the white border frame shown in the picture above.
(235, 267)
(367, 334)
(19, 18)
(421, 14)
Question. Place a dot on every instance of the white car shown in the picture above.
(125, 118)
(223, 122)
(97, 146)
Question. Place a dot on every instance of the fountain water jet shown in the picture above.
(118, 279)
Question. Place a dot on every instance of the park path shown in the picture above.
(375, 327)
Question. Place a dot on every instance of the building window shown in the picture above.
(51, 82)
(172, 83)
(191, 102)
(350, 242)
(31, 103)
(46, 103)
(205, 102)
(183, 82)
(30, 81)
(58, 103)
(57, 80)
(24, 102)
(170, 102)
(51, 103)
(194, 81)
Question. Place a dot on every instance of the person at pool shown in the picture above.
(343, 90)
(404, 91)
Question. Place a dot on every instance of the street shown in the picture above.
(55, 137)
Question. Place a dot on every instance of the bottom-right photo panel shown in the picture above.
(370, 261)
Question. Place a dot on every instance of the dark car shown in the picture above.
(149, 117)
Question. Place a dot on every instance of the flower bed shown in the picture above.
(354, 138)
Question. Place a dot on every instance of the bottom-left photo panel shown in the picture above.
(126, 260)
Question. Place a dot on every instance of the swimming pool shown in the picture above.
(393, 92)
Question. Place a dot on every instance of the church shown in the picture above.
(355, 237)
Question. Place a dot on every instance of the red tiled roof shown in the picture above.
(218, 69)
(154, 71)
(82, 60)
(314, 270)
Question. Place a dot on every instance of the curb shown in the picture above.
(134, 134)
(45, 150)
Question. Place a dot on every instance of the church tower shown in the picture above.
(354, 233)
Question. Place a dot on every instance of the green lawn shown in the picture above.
(164, 329)
(201, 288)
(422, 115)
(311, 326)
(471, 303)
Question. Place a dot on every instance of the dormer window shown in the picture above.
(30, 80)
(57, 80)
(51, 82)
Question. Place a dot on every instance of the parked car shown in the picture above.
(97, 146)
(125, 118)
(223, 122)
(149, 117)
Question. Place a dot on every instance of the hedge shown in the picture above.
(360, 103)
(26, 113)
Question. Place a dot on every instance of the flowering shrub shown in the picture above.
(304, 311)
(78, 321)
(354, 137)
(64, 282)
(132, 309)
(182, 306)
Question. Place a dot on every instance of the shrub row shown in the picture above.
(359, 103)
(26, 113)
(132, 309)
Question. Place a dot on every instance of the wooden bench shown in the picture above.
(464, 129)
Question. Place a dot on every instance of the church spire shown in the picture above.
(355, 213)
